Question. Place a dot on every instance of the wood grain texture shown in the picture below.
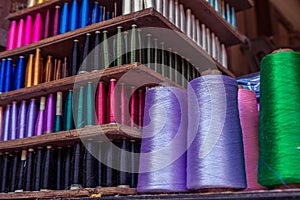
(95, 133)
(241, 5)
(66, 194)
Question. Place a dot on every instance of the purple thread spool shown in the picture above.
(49, 117)
(163, 157)
(31, 117)
(215, 156)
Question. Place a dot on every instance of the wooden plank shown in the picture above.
(79, 193)
(132, 74)
(95, 133)
(241, 5)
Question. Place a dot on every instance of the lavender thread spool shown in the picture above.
(215, 155)
(163, 157)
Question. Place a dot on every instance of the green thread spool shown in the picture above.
(279, 124)
(133, 44)
(105, 50)
(90, 105)
(69, 124)
(119, 46)
(156, 53)
(140, 55)
(80, 106)
(149, 51)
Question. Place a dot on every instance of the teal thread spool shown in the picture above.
(279, 124)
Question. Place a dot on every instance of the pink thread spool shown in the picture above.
(37, 28)
(20, 33)
(28, 30)
(12, 34)
(249, 122)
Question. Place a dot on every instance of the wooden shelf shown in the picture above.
(212, 19)
(241, 5)
(133, 74)
(71, 194)
(95, 133)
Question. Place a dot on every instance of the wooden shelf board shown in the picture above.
(79, 193)
(241, 5)
(94, 133)
(212, 19)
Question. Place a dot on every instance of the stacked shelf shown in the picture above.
(57, 45)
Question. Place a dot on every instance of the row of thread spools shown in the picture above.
(117, 104)
(23, 32)
(69, 167)
(126, 48)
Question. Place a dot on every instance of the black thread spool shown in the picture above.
(124, 165)
(13, 171)
(46, 169)
(100, 166)
(75, 58)
(108, 176)
(58, 177)
(132, 147)
(4, 179)
(21, 171)
(67, 167)
(1, 165)
(29, 170)
(37, 169)
(86, 62)
(89, 163)
(76, 172)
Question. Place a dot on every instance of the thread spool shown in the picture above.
(46, 169)
(38, 169)
(101, 103)
(100, 166)
(29, 71)
(13, 121)
(8, 84)
(124, 104)
(89, 175)
(19, 74)
(133, 108)
(74, 15)
(75, 61)
(5, 130)
(67, 167)
(59, 168)
(109, 175)
(4, 178)
(37, 28)
(49, 115)
(85, 66)
(249, 122)
(13, 171)
(47, 24)
(90, 105)
(31, 118)
(163, 169)
(137, 5)
(58, 113)
(21, 170)
(68, 116)
(39, 126)
(56, 19)
(95, 13)
(111, 102)
(119, 46)
(48, 70)
(2, 74)
(64, 70)
(37, 68)
(1, 121)
(84, 14)
(28, 30)
(214, 130)
(29, 170)
(97, 65)
(63, 25)
(76, 175)
(106, 58)
(12, 35)
(31, 3)
(124, 180)
(20, 33)
(79, 118)
(278, 120)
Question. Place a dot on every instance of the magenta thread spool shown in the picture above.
(28, 30)
(37, 28)
(12, 34)
(55, 25)
(20, 33)
(249, 122)
(163, 151)
(47, 24)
